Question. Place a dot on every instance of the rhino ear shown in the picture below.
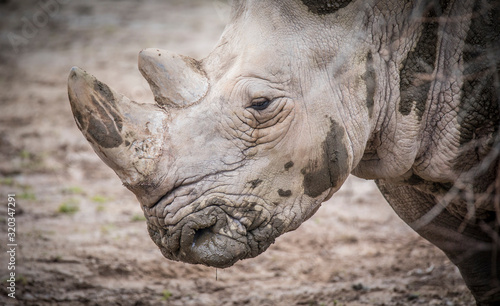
(176, 80)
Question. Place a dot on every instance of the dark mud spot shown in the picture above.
(255, 183)
(100, 121)
(419, 62)
(322, 175)
(370, 80)
(107, 103)
(284, 193)
(324, 7)
(105, 125)
(105, 91)
(103, 134)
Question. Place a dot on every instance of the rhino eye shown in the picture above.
(260, 103)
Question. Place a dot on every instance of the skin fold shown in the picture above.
(247, 143)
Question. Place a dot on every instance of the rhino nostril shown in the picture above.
(202, 235)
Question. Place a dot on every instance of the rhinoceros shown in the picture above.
(246, 144)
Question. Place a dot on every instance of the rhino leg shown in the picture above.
(475, 250)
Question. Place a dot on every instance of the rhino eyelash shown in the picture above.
(260, 104)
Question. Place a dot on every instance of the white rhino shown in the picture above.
(246, 144)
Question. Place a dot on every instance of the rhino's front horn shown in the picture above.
(126, 135)
(176, 80)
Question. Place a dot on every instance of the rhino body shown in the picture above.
(246, 144)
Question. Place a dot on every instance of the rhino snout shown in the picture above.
(217, 235)
(218, 245)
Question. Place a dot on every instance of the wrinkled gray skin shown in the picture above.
(246, 144)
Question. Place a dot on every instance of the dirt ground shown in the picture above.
(82, 238)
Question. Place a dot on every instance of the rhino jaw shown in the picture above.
(126, 135)
(217, 230)
(211, 248)
(212, 240)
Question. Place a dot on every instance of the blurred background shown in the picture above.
(82, 236)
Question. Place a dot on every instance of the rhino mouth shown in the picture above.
(218, 234)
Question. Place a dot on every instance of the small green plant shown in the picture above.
(137, 217)
(166, 295)
(33, 162)
(27, 195)
(21, 279)
(99, 199)
(110, 29)
(100, 208)
(24, 154)
(73, 190)
(69, 207)
(106, 229)
(7, 181)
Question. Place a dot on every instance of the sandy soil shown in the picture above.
(81, 236)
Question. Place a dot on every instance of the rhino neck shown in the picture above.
(394, 140)
(461, 117)
(431, 120)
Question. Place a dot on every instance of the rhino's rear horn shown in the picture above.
(176, 80)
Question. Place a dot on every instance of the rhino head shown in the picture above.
(243, 145)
